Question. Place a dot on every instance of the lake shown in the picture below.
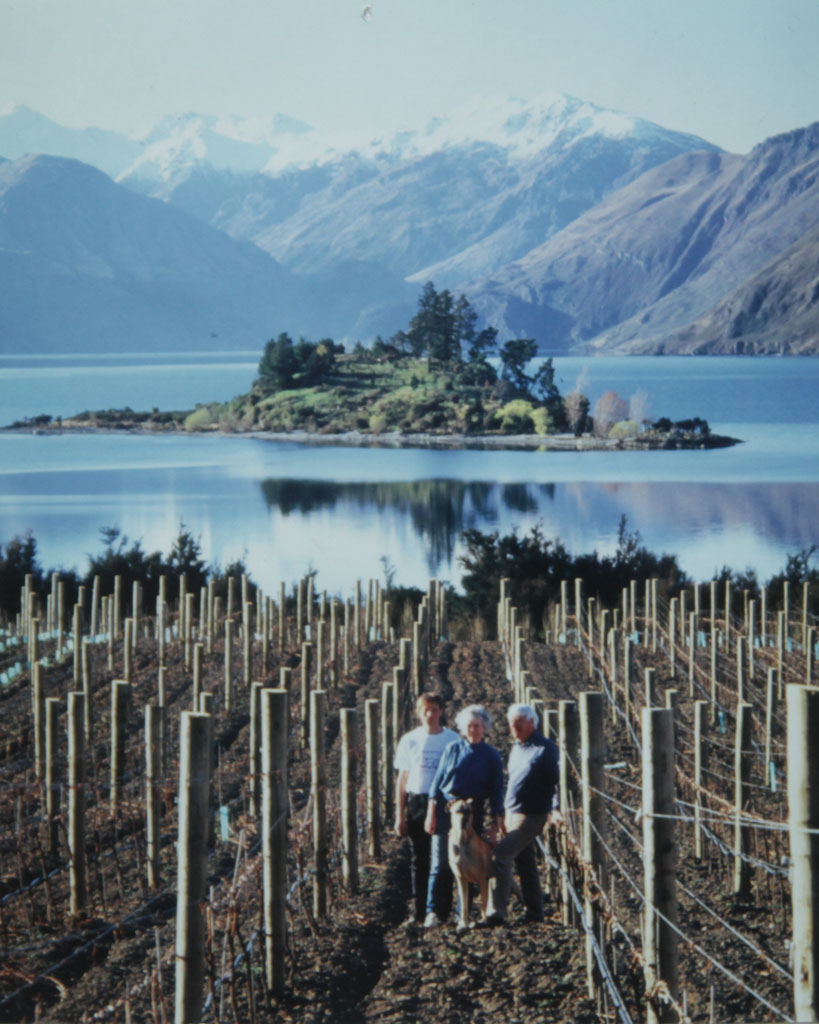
(353, 513)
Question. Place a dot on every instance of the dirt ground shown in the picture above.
(363, 962)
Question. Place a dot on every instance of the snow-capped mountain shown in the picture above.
(587, 229)
(457, 198)
(633, 272)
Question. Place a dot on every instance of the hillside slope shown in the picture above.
(661, 252)
(87, 265)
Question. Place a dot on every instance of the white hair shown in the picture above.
(467, 714)
(522, 711)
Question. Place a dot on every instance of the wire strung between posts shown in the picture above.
(603, 967)
(742, 938)
(772, 869)
(716, 963)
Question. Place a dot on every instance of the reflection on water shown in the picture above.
(706, 525)
(438, 510)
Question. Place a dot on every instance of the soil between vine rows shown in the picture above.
(363, 962)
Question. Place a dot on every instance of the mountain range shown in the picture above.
(589, 230)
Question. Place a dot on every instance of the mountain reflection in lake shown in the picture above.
(439, 510)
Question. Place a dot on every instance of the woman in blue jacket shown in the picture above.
(469, 768)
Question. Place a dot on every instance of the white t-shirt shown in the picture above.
(418, 753)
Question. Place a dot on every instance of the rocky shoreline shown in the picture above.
(360, 439)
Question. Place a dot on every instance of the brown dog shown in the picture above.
(470, 857)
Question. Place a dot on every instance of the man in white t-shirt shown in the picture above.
(416, 760)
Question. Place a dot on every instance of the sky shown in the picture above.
(731, 71)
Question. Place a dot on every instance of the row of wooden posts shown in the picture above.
(582, 747)
(268, 710)
(272, 705)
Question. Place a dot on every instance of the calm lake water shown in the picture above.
(286, 508)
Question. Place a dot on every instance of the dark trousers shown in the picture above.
(420, 842)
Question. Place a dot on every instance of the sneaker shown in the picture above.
(432, 920)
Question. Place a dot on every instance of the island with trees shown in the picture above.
(441, 382)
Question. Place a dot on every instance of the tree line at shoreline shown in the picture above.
(534, 563)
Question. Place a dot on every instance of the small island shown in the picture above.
(432, 385)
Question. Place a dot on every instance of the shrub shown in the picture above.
(200, 419)
(624, 429)
(516, 417)
(542, 419)
(378, 423)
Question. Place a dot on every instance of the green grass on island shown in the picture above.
(433, 384)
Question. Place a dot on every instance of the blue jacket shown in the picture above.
(533, 776)
(467, 770)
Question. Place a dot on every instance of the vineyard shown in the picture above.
(196, 808)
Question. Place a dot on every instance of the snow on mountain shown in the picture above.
(178, 145)
(657, 254)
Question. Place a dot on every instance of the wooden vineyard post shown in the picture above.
(713, 659)
(701, 751)
(334, 608)
(300, 611)
(87, 689)
(282, 610)
(780, 650)
(254, 754)
(802, 704)
(153, 768)
(416, 659)
(95, 605)
(400, 705)
(568, 735)
(357, 615)
(388, 698)
(198, 650)
(38, 716)
(373, 810)
(76, 633)
(247, 644)
(672, 637)
(660, 938)
(627, 677)
(578, 610)
(228, 664)
(164, 729)
(211, 615)
(740, 669)
(770, 707)
(654, 615)
(274, 834)
(743, 754)
(346, 637)
(306, 657)
(650, 696)
(191, 876)
(76, 802)
(321, 629)
(117, 606)
(318, 775)
(120, 700)
(51, 775)
(592, 756)
(349, 824)
(613, 639)
(692, 653)
(805, 604)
